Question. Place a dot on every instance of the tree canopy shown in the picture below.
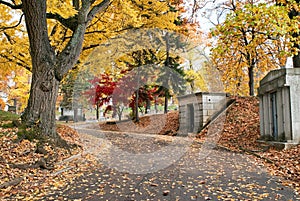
(253, 39)
(58, 35)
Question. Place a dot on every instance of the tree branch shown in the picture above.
(98, 8)
(76, 4)
(13, 6)
(14, 26)
(18, 63)
(71, 23)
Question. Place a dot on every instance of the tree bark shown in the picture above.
(136, 106)
(251, 80)
(166, 104)
(49, 68)
(97, 111)
(40, 110)
(296, 58)
(148, 105)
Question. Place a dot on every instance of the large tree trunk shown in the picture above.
(40, 110)
(48, 69)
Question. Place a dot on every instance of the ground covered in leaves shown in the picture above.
(163, 124)
(236, 131)
(28, 170)
(240, 133)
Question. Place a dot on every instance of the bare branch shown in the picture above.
(12, 27)
(98, 8)
(19, 63)
(71, 23)
(13, 6)
(76, 4)
(90, 47)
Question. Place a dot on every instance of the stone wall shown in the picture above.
(196, 109)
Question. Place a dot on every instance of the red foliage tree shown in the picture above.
(101, 91)
(127, 91)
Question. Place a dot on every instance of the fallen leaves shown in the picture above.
(240, 134)
(21, 180)
(163, 124)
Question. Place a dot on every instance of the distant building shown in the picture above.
(196, 110)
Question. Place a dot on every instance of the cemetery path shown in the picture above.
(152, 167)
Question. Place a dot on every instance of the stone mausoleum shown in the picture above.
(195, 110)
(279, 94)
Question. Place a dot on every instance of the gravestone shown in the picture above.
(12, 109)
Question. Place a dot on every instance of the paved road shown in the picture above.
(148, 167)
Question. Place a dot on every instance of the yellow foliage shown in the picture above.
(2, 104)
(61, 7)
(253, 38)
(20, 88)
(119, 18)
(197, 80)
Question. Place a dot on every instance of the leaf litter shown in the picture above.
(239, 134)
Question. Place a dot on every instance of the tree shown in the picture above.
(2, 104)
(253, 39)
(19, 89)
(56, 44)
(294, 14)
(101, 91)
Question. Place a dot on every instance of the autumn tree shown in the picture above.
(2, 104)
(294, 14)
(19, 87)
(59, 31)
(101, 90)
(14, 59)
(253, 39)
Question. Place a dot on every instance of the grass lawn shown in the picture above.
(8, 116)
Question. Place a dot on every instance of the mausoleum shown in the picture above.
(279, 94)
(195, 110)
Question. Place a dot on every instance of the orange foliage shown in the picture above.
(2, 104)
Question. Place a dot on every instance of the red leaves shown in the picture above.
(120, 91)
(101, 90)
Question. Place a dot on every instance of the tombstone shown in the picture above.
(279, 95)
(196, 110)
(12, 109)
(72, 115)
